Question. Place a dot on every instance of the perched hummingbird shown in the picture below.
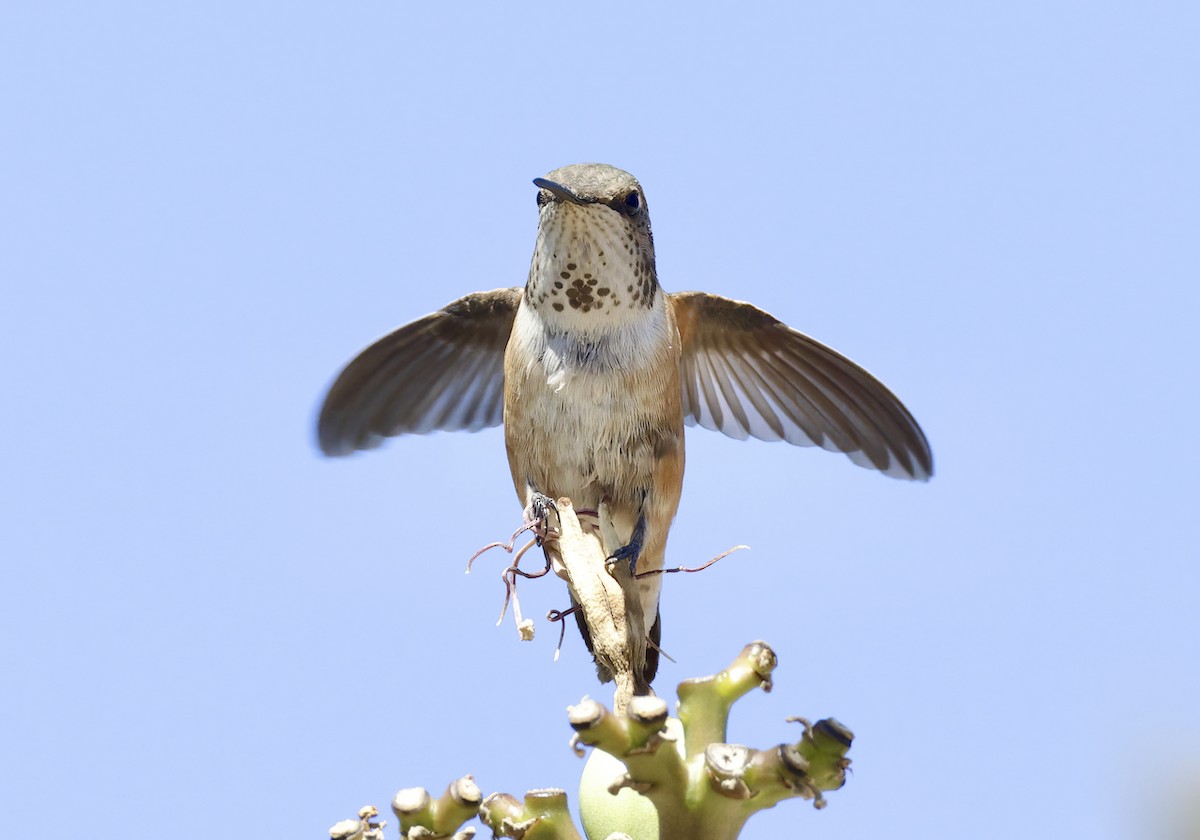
(594, 370)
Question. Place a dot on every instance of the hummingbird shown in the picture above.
(594, 370)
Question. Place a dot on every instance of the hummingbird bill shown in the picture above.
(594, 370)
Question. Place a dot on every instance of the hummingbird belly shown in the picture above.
(589, 434)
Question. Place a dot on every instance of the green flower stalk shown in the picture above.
(649, 775)
(681, 778)
(542, 816)
(424, 818)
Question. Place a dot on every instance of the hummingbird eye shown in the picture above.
(633, 201)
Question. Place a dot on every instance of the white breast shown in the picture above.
(585, 401)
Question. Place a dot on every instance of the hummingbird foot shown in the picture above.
(537, 513)
(633, 549)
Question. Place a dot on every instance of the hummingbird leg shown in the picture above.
(633, 549)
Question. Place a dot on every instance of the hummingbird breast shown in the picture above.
(589, 416)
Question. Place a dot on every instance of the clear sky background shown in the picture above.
(207, 208)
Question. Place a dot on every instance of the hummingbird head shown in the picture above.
(593, 264)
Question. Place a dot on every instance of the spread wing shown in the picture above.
(444, 371)
(747, 374)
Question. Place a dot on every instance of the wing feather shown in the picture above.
(442, 372)
(745, 373)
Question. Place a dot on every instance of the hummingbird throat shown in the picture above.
(590, 271)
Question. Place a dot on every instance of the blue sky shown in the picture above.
(207, 209)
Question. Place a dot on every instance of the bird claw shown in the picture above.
(627, 552)
(633, 549)
(537, 513)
